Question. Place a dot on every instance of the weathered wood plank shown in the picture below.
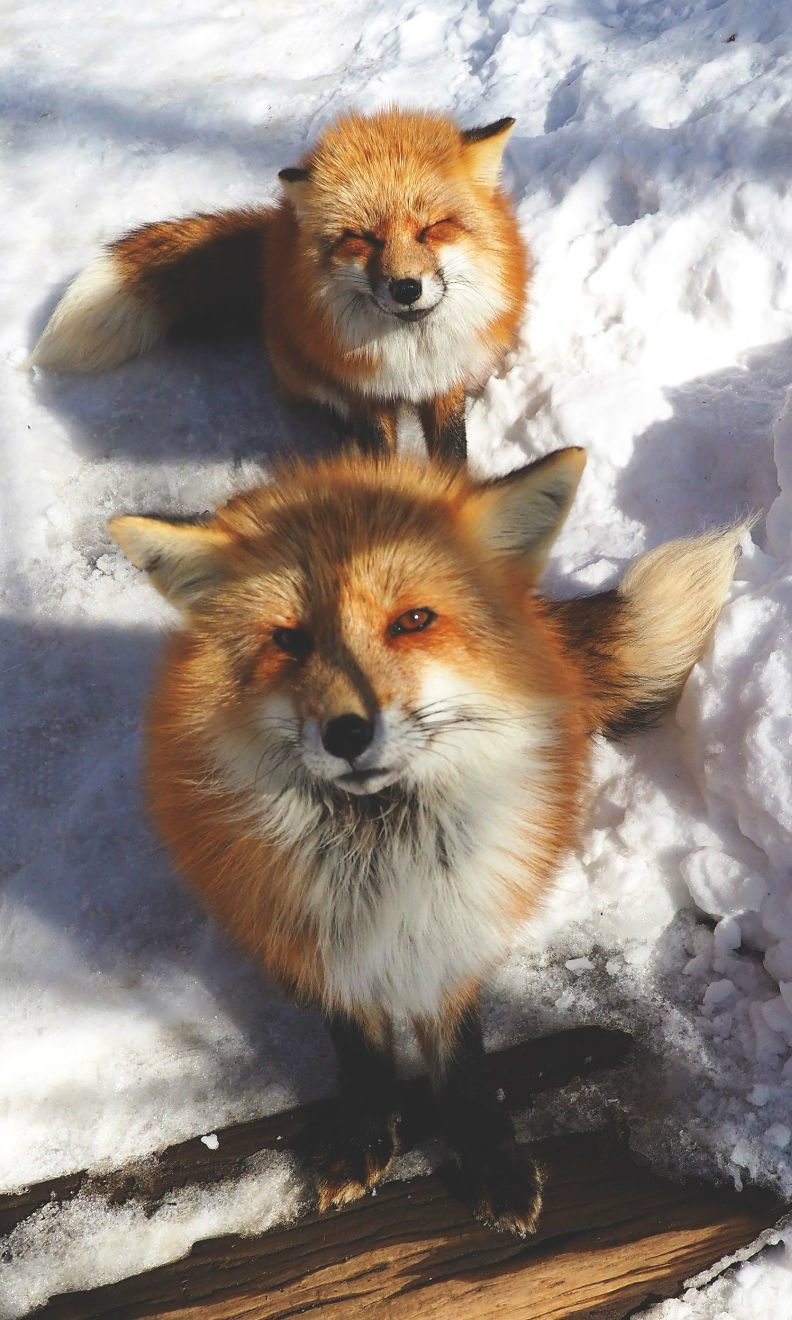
(611, 1236)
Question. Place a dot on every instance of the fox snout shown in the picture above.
(406, 291)
(409, 297)
(356, 753)
(347, 736)
(403, 275)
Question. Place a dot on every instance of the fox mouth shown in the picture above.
(414, 314)
(408, 314)
(366, 781)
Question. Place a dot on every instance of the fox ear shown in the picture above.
(522, 514)
(294, 185)
(483, 150)
(185, 558)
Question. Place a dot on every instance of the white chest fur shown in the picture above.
(429, 358)
(409, 911)
(411, 894)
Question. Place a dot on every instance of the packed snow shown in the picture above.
(759, 1287)
(651, 164)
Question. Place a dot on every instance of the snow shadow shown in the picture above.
(712, 460)
(262, 148)
(89, 891)
(182, 404)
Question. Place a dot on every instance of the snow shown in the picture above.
(651, 164)
(761, 1287)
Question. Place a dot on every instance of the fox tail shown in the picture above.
(199, 277)
(637, 643)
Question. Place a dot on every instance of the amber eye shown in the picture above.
(412, 621)
(296, 642)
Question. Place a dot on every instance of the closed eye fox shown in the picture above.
(391, 274)
(367, 749)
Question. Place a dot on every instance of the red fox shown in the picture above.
(392, 274)
(367, 750)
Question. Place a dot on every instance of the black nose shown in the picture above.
(406, 291)
(347, 736)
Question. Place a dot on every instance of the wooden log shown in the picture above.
(611, 1237)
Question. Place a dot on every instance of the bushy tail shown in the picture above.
(194, 278)
(637, 644)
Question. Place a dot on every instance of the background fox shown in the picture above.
(367, 749)
(391, 274)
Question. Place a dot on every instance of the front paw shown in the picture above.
(504, 1188)
(351, 1156)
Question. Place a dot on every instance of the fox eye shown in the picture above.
(439, 229)
(365, 237)
(412, 621)
(296, 642)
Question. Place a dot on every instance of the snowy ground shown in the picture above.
(652, 162)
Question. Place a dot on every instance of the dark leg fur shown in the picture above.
(443, 422)
(374, 432)
(351, 1156)
(500, 1181)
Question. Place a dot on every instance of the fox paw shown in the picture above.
(351, 1158)
(505, 1191)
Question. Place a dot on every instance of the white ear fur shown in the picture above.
(184, 559)
(483, 149)
(295, 185)
(522, 514)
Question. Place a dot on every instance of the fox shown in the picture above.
(390, 276)
(368, 749)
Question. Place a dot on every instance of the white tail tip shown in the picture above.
(676, 593)
(97, 324)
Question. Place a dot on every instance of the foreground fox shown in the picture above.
(367, 750)
(391, 274)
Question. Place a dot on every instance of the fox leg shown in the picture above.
(373, 430)
(501, 1182)
(443, 422)
(352, 1154)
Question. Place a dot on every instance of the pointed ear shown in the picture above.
(483, 148)
(522, 514)
(295, 185)
(184, 558)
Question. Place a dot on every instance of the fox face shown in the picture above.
(368, 685)
(357, 638)
(399, 215)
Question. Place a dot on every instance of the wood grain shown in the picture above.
(612, 1236)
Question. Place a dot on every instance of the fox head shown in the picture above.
(400, 214)
(356, 627)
